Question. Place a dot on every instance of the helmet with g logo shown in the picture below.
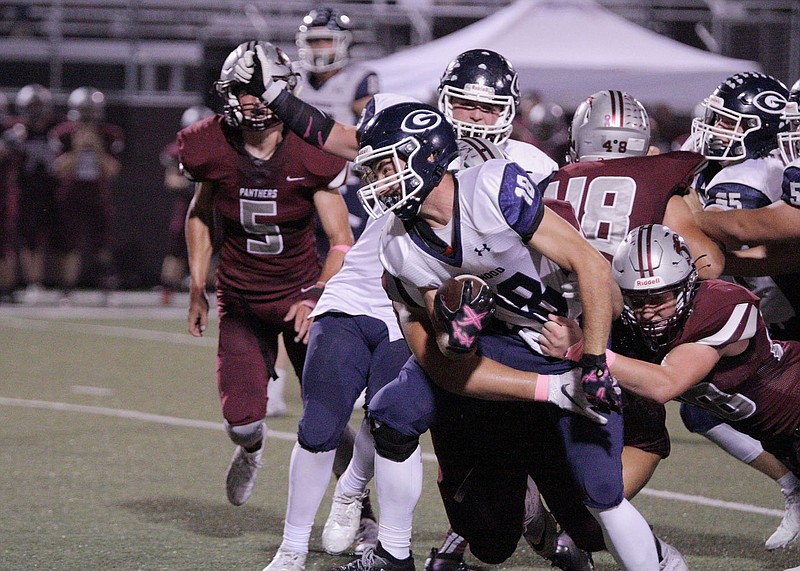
(404, 152)
(743, 116)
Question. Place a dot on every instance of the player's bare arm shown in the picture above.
(480, 377)
(199, 225)
(711, 259)
(683, 367)
(600, 296)
(332, 211)
(778, 221)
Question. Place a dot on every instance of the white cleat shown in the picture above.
(789, 529)
(343, 522)
(367, 535)
(286, 560)
(670, 559)
(242, 472)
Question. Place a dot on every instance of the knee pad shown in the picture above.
(391, 444)
(246, 435)
(698, 420)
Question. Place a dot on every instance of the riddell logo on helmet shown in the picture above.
(646, 283)
(479, 89)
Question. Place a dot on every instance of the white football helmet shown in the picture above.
(653, 259)
(86, 105)
(609, 125)
(789, 140)
(324, 24)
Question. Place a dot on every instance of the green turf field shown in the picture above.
(113, 457)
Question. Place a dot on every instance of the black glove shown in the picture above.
(464, 324)
(602, 390)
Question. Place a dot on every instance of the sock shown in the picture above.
(628, 537)
(309, 475)
(789, 482)
(399, 486)
(453, 544)
(361, 469)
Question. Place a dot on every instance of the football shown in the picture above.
(462, 307)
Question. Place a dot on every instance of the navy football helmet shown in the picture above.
(482, 77)
(404, 152)
(742, 118)
(789, 140)
(252, 117)
(653, 260)
(324, 24)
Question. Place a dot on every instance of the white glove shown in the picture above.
(273, 76)
(565, 392)
(244, 68)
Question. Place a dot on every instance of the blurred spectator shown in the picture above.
(180, 190)
(9, 197)
(544, 125)
(85, 169)
(31, 170)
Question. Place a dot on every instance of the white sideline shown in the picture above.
(290, 437)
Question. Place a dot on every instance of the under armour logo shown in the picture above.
(483, 249)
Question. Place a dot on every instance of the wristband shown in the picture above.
(304, 120)
(343, 248)
(610, 357)
(542, 389)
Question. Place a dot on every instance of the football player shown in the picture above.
(263, 185)
(341, 139)
(180, 189)
(495, 227)
(86, 168)
(32, 159)
(716, 351)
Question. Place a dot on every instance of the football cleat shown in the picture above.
(669, 558)
(559, 548)
(242, 472)
(286, 560)
(378, 559)
(367, 535)
(789, 529)
(445, 561)
(569, 556)
(343, 523)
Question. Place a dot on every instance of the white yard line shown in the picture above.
(291, 437)
(26, 320)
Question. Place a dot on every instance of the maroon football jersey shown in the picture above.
(759, 389)
(112, 136)
(266, 208)
(615, 196)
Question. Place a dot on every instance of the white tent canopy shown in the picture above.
(567, 50)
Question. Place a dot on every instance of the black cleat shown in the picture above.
(445, 561)
(569, 556)
(377, 559)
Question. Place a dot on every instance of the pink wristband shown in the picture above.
(542, 390)
(309, 303)
(341, 248)
(610, 357)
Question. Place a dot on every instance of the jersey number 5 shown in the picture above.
(269, 240)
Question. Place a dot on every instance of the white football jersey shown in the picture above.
(536, 162)
(751, 183)
(356, 289)
(498, 210)
(335, 97)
